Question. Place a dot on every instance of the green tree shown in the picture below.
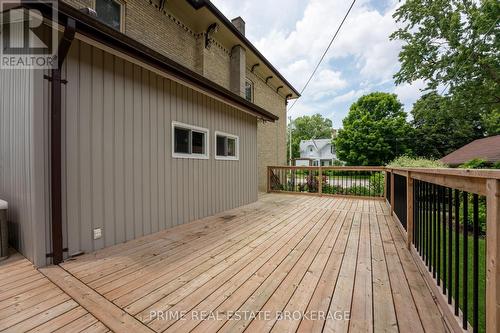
(307, 128)
(439, 129)
(454, 44)
(374, 132)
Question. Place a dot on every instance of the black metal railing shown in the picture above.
(365, 182)
(388, 185)
(448, 232)
(400, 198)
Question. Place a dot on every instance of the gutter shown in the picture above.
(55, 143)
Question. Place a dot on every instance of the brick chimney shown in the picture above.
(238, 62)
(239, 24)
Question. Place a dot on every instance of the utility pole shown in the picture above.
(290, 139)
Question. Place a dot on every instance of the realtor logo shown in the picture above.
(28, 39)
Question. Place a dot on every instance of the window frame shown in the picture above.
(230, 136)
(191, 128)
(122, 14)
(252, 90)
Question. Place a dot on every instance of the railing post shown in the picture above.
(493, 255)
(392, 192)
(409, 210)
(268, 179)
(320, 181)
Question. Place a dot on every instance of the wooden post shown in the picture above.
(409, 210)
(392, 192)
(493, 255)
(320, 181)
(268, 179)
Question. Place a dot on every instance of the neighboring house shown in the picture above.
(318, 151)
(165, 114)
(487, 149)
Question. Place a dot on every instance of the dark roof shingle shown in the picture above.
(486, 148)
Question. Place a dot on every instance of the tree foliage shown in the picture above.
(374, 132)
(438, 129)
(454, 44)
(307, 128)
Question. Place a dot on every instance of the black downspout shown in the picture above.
(55, 143)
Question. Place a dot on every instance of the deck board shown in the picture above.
(309, 259)
(31, 303)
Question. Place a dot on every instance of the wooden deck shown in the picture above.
(322, 263)
(29, 302)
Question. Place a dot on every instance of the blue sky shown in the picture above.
(293, 34)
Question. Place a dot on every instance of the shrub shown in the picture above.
(377, 182)
(476, 163)
(332, 189)
(415, 162)
(358, 190)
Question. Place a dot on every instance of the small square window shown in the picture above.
(189, 141)
(227, 146)
(109, 12)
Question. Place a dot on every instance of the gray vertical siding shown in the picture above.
(24, 165)
(119, 173)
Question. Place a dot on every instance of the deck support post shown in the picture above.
(409, 210)
(392, 192)
(493, 255)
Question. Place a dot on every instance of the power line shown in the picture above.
(324, 53)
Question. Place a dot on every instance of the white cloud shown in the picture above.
(293, 35)
(409, 93)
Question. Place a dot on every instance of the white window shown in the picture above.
(249, 90)
(189, 141)
(110, 12)
(227, 146)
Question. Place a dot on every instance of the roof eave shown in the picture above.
(94, 29)
(197, 4)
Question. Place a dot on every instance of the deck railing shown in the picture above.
(451, 219)
(334, 181)
(452, 222)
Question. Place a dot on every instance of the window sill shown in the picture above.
(190, 156)
(224, 158)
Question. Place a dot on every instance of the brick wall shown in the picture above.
(271, 137)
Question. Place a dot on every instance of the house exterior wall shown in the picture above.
(166, 34)
(119, 174)
(271, 137)
(24, 164)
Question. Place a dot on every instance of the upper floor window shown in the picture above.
(110, 12)
(226, 146)
(189, 141)
(249, 90)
